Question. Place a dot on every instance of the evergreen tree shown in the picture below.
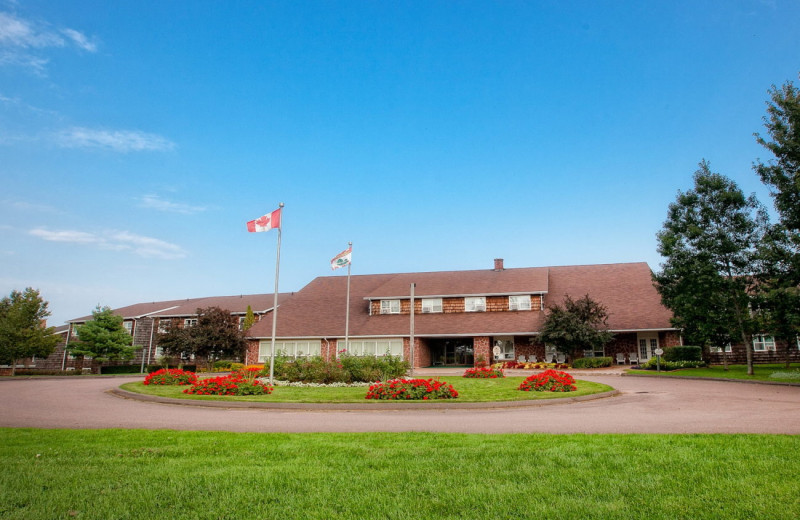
(103, 338)
(778, 288)
(249, 319)
(22, 330)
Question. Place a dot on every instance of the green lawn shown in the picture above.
(132, 474)
(469, 390)
(774, 372)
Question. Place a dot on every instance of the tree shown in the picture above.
(709, 242)
(22, 330)
(579, 325)
(249, 319)
(103, 338)
(778, 296)
(215, 336)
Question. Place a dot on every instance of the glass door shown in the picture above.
(647, 346)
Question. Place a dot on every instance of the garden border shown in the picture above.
(360, 407)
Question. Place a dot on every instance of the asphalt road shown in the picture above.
(645, 405)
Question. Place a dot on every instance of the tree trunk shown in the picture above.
(14, 367)
(748, 344)
(724, 359)
(787, 359)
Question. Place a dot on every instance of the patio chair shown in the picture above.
(548, 358)
(620, 358)
(633, 358)
(562, 358)
(521, 359)
(532, 359)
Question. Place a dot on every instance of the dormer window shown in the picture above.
(519, 303)
(475, 304)
(390, 306)
(431, 305)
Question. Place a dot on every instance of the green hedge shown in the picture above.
(592, 362)
(152, 368)
(667, 366)
(683, 353)
(345, 369)
(121, 369)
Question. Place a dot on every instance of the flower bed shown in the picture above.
(484, 373)
(408, 389)
(549, 381)
(239, 383)
(529, 366)
(171, 376)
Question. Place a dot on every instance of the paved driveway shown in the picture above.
(646, 405)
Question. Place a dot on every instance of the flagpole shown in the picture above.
(347, 307)
(275, 302)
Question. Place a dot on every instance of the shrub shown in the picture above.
(411, 389)
(484, 373)
(121, 369)
(652, 364)
(683, 353)
(171, 376)
(345, 369)
(549, 381)
(592, 362)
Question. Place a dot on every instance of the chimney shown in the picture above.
(498, 264)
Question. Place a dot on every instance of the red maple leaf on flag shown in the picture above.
(263, 221)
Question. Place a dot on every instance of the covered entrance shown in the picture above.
(452, 352)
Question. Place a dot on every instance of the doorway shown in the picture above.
(452, 352)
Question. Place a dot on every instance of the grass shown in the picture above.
(773, 372)
(469, 390)
(132, 474)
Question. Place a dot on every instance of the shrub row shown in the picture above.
(153, 368)
(652, 364)
(345, 369)
(121, 369)
(592, 362)
(683, 353)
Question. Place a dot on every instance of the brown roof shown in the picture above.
(260, 303)
(318, 309)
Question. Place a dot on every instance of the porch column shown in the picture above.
(482, 350)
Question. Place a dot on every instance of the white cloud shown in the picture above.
(147, 247)
(23, 41)
(116, 140)
(157, 203)
(24, 205)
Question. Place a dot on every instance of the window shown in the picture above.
(189, 322)
(390, 306)
(374, 348)
(291, 349)
(164, 324)
(241, 322)
(475, 304)
(503, 348)
(128, 326)
(718, 350)
(519, 303)
(431, 305)
(763, 343)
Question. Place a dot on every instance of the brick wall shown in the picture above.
(482, 346)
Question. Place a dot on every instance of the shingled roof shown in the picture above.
(260, 303)
(318, 310)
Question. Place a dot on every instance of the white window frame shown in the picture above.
(377, 347)
(520, 302)
(432, 305)
(241, 322)
(390, 306)
(475, 304)
(718, 350)
(164, 324)
(291, 348)
(765, 342)
(189, 322)
(128, 326)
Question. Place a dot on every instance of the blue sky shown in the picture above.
(138, 137)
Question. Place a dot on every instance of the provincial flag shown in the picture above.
(265, 223)
(342, 259)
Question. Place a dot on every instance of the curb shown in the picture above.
(722, 379)
(360, 407)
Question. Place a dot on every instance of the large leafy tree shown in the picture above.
(215, 336)
(577, 325)
(709, 243)
(778, 294)
(103, 338)
(22, 330)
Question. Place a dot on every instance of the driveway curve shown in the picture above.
(644, 405)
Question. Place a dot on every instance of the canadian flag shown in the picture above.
(265, 223)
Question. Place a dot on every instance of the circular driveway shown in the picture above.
(645, 405)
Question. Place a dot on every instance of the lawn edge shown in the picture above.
(724, 379)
